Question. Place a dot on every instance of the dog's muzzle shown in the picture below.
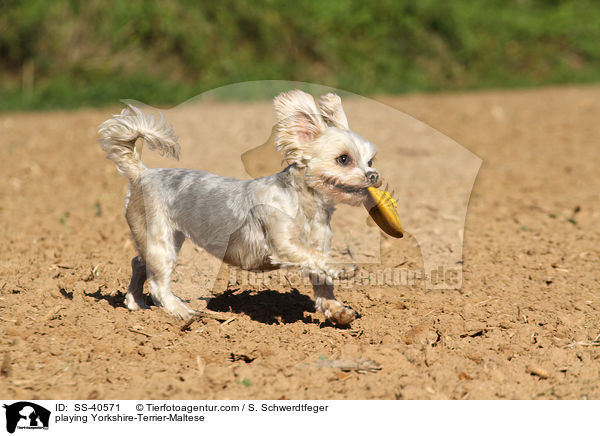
(373, 178)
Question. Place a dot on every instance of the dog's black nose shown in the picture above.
(373, 177)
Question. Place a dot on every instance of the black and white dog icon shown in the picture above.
(24, 414)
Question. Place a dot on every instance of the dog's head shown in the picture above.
(338, 163)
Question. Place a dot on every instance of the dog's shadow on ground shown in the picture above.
(266, 306)
(116, 299)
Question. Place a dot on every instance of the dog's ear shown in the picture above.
(332, 111)
(298, 123)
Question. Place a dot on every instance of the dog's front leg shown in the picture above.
(288, 253)
(322, 273)
(288, 250)
(321, 270)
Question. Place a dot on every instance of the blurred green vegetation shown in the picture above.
(69, 53)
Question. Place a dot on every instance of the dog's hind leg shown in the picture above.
(158, 245)
(134, 299)
(136, 218)
(162, 247)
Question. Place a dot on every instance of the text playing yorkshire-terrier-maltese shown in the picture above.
(282, 220)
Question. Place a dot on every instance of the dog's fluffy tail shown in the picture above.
(119, 133)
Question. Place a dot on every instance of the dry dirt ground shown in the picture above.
(524, 325)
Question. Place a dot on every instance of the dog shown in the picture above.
(278, 221)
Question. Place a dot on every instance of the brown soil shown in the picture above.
(524, 325)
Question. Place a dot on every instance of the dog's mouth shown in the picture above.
(348, 189)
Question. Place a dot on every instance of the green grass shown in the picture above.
(68, 54)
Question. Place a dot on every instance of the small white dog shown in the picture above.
(282, 220)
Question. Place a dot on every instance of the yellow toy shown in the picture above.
(382, 208)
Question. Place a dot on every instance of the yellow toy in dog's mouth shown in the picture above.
(382, 208)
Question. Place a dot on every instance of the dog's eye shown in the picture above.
(343, 160)
(370, 163)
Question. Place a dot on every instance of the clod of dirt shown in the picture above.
(6, 369)
(536, 370)
(201, 365)
(236, 357)
(420, 334)
(474, 333)
(359, 365)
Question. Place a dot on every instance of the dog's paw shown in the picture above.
(178, 308)
(135, 304)
(335, 311)
(343, 316)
